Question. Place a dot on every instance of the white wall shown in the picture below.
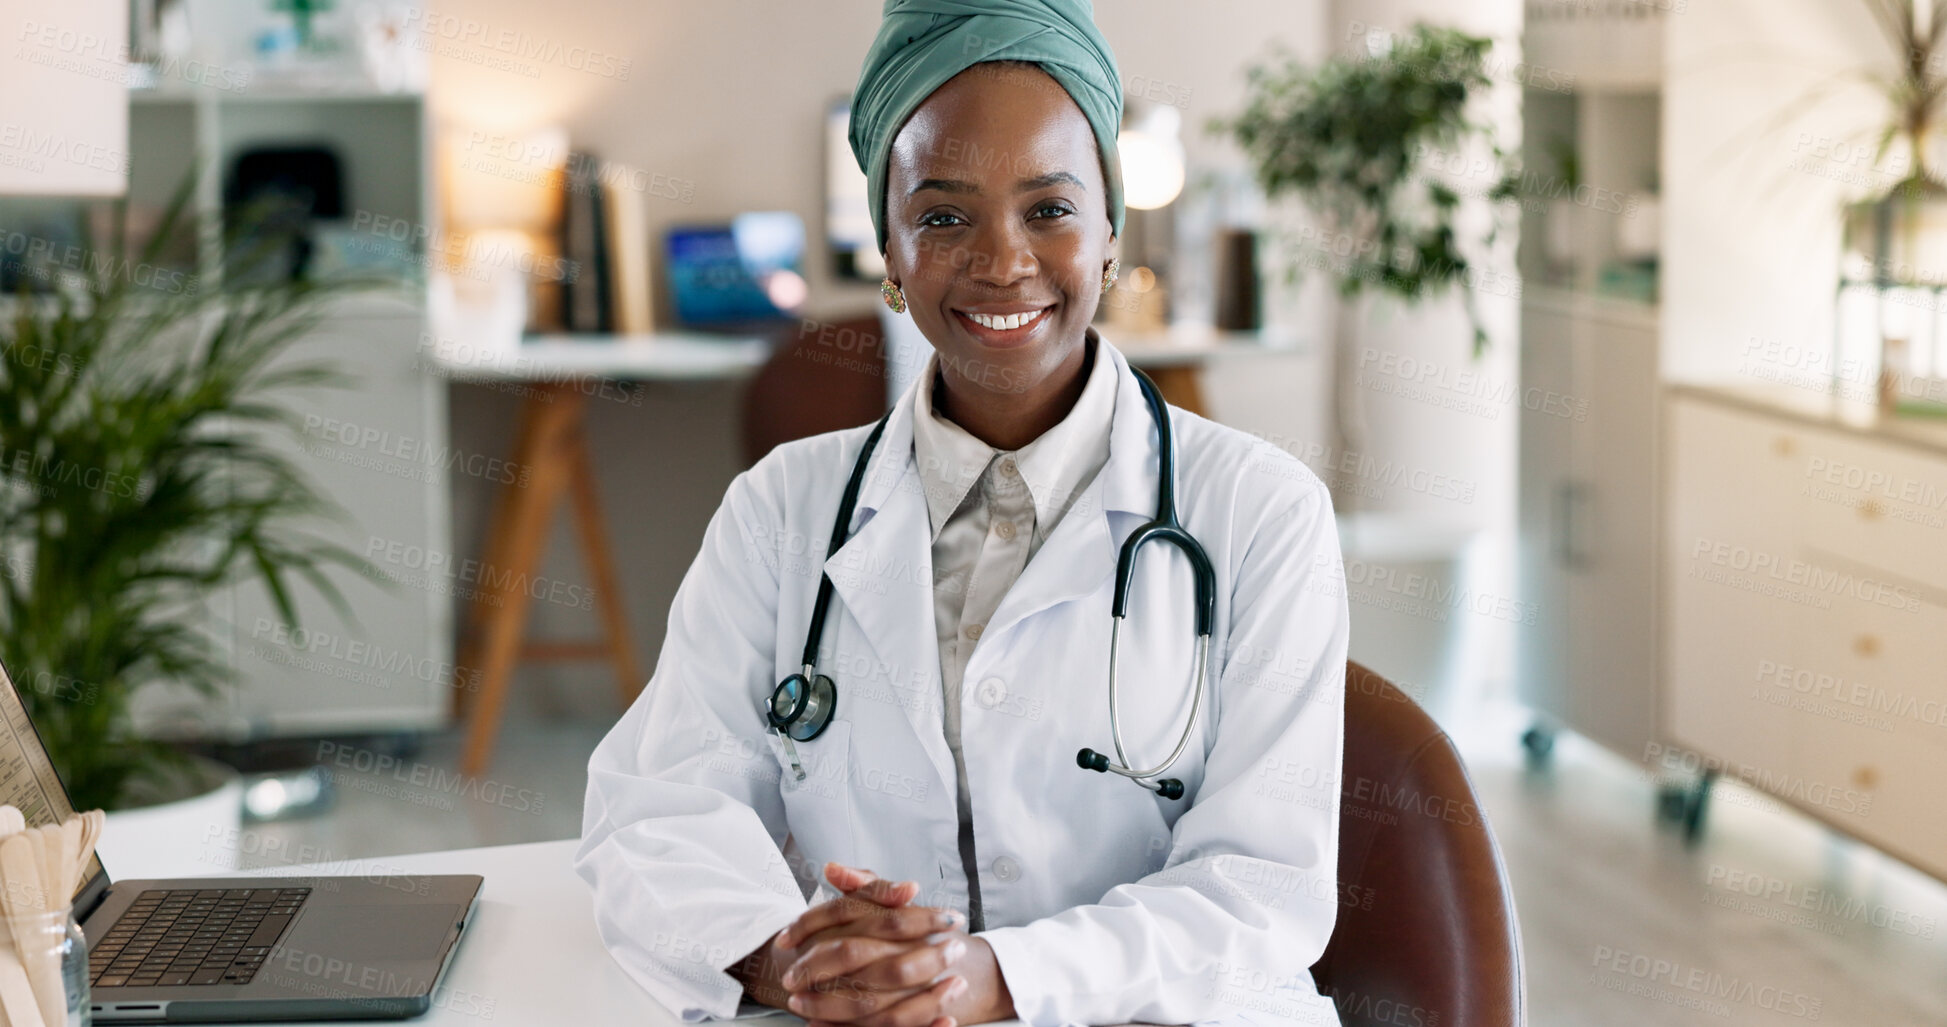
(1751, 225)
(730, 95)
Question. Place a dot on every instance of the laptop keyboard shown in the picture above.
(180, 936)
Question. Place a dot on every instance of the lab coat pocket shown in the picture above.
(818, 809)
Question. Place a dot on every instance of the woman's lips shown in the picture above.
(1003, 336)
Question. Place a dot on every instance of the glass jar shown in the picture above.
(54, 953)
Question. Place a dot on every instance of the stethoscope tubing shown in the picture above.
(1164, 527)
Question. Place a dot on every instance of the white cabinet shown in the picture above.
(1807, 615)
(1587, 508)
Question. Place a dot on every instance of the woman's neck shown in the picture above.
(1009, 420)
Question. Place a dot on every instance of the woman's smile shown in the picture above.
(1005, 326)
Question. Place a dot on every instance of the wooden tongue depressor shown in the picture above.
(69, 865)
(17, 1006)
(24, 897)
(91, 825)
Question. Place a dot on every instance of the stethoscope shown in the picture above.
(802, 705)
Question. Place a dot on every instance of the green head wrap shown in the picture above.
(923, 43)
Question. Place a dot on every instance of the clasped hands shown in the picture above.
(871, 959)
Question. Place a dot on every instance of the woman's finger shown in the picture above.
(916, 966)
(822, 987)
(920, 1010)
(844, 1001)
(868, 918)
(850, 956)
(864, 884)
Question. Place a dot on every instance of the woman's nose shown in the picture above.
(1001, 257)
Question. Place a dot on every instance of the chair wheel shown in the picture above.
(1539, 741)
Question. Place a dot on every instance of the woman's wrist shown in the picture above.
(759, 971)
(983, 971)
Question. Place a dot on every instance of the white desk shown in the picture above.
(531, 957)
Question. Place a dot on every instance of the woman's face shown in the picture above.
(996, 209)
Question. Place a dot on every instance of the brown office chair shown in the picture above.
(1426, 929)
(823, 376)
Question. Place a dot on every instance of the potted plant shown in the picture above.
(140, 473)
(1358, 141)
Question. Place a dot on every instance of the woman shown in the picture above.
(971, 871)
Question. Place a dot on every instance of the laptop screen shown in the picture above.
(27, 778)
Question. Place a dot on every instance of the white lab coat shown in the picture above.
(1104, 903)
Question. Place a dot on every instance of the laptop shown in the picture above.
(219, 949)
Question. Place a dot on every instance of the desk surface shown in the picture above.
(531, 957)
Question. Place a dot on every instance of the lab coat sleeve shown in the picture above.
(1247, 898)
(683, 823)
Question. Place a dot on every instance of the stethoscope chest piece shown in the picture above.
(802, 705)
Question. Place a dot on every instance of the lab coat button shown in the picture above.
(1006, 869)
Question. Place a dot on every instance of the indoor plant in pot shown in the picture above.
(141, 473)
(1358, 141)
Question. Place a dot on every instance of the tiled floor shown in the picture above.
(1622, 923)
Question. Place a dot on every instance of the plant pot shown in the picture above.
(186, 826)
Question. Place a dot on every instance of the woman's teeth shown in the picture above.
(1006, 322)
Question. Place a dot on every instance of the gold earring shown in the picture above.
(894, 298)
(1111, 273)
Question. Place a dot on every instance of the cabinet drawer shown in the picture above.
(1875, 503)
(1883, 787)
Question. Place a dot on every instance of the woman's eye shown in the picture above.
(1052, 210)
(938, 219)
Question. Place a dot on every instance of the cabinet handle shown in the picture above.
(1866, 645)
(1567, 495)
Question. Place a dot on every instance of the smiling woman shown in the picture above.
(979, 619)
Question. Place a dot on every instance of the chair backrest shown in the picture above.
(1426, 928)
(823, 376)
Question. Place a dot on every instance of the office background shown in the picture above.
(1707, 383)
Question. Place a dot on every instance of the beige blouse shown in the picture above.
(990, 511)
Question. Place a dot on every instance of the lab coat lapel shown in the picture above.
(883, 575)
(1082, 552)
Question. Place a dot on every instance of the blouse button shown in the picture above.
(1005, 869)
(1004, 529)
(973, 632)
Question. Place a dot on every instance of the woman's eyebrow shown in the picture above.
(956, 185)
